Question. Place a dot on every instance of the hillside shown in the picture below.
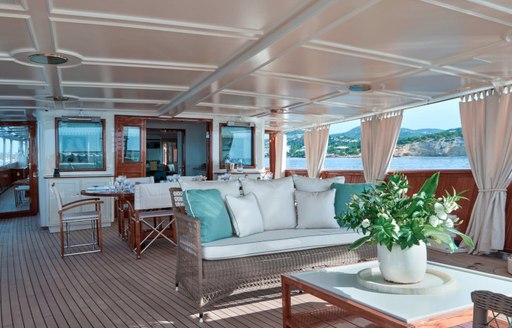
(421, 142)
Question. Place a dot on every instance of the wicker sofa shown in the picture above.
(208, 282)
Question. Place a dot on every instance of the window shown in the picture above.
(237, 143)
(295, 156)
(131, 144)
(80, 145)
(431, 138)
(266, 150)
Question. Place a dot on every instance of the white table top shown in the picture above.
(342, 281)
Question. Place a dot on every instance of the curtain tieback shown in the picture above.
(491, 190)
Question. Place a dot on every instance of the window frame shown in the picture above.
(253, 143)
(57, 150)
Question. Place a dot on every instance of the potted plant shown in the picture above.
(401, 225)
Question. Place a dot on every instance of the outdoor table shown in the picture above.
(122, 197)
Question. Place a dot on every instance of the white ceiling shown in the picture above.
(287, 62)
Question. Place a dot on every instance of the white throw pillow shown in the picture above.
(275, 198)
(315, 210)
(315, 185)
(245, 214)
(231, 188)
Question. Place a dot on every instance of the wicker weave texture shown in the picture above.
(208, 282)
(491, 309)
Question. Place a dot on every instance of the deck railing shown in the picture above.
(458, 179)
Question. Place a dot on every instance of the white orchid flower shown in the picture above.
(449, 223)
(438, 208)
(442, 216)
(365, 223)
(434, 221)
(395, 226)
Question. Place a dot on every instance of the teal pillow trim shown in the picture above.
(344, 193)
(208, 206)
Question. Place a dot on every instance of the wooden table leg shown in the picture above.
(286, 300)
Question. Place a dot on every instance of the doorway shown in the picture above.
(18, 169)
(165, 153)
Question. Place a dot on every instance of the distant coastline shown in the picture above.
(397, 163)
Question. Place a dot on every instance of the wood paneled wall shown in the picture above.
(449, 179)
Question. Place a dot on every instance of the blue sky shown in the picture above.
(443, 115)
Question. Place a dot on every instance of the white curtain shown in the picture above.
(315, 144)
(379, 135)
(281, 147)
(487, 128)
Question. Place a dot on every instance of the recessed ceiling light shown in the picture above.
(48, 59)
(360, 87)
(58, 98)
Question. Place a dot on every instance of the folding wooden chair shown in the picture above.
(151, 216)
(66, 219)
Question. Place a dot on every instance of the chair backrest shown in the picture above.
(153, 165)
(141, 180)
(177, 199)
(152, 196)
(56, 192)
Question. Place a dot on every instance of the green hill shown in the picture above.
(421, 142)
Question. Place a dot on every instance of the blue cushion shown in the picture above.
(344, 192)
(208, 206)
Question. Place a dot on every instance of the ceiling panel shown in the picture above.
(429, 84)
(250, 101)
(16, 91)
(283, 86)
(102, 41)
(416, 29)
(110, 105)
(119, 93)
(334, 67)
(17, 103)
(248, 14)
(10, 70)
(370, 100)
(136, 75)
(18, 36)
(495, 64)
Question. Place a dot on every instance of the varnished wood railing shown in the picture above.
(449, 179)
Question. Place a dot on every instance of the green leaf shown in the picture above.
(359, 242)
(430, 185)
(467, 240)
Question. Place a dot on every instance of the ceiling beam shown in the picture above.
(295, 30)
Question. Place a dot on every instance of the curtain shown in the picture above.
(315, 144)
(379, 135)
(486, 127)
(281, 147)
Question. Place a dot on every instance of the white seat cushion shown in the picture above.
(79, 216)
(231, 188)
(276, 201)
(155, 214)
(276, 241)
(315, 185)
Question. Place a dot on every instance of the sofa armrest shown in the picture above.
(189, 267)
(189, 234)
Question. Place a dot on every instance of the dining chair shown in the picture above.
(86, 216)
(151, 216)
(491, 309)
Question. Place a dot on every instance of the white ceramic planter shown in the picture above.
(403, 266)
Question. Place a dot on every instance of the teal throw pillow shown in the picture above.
(208, 206)
(344, 192)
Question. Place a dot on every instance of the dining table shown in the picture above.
(122, 196)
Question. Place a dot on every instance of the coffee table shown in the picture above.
(440, 308)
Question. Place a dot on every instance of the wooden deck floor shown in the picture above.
(113, 289)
